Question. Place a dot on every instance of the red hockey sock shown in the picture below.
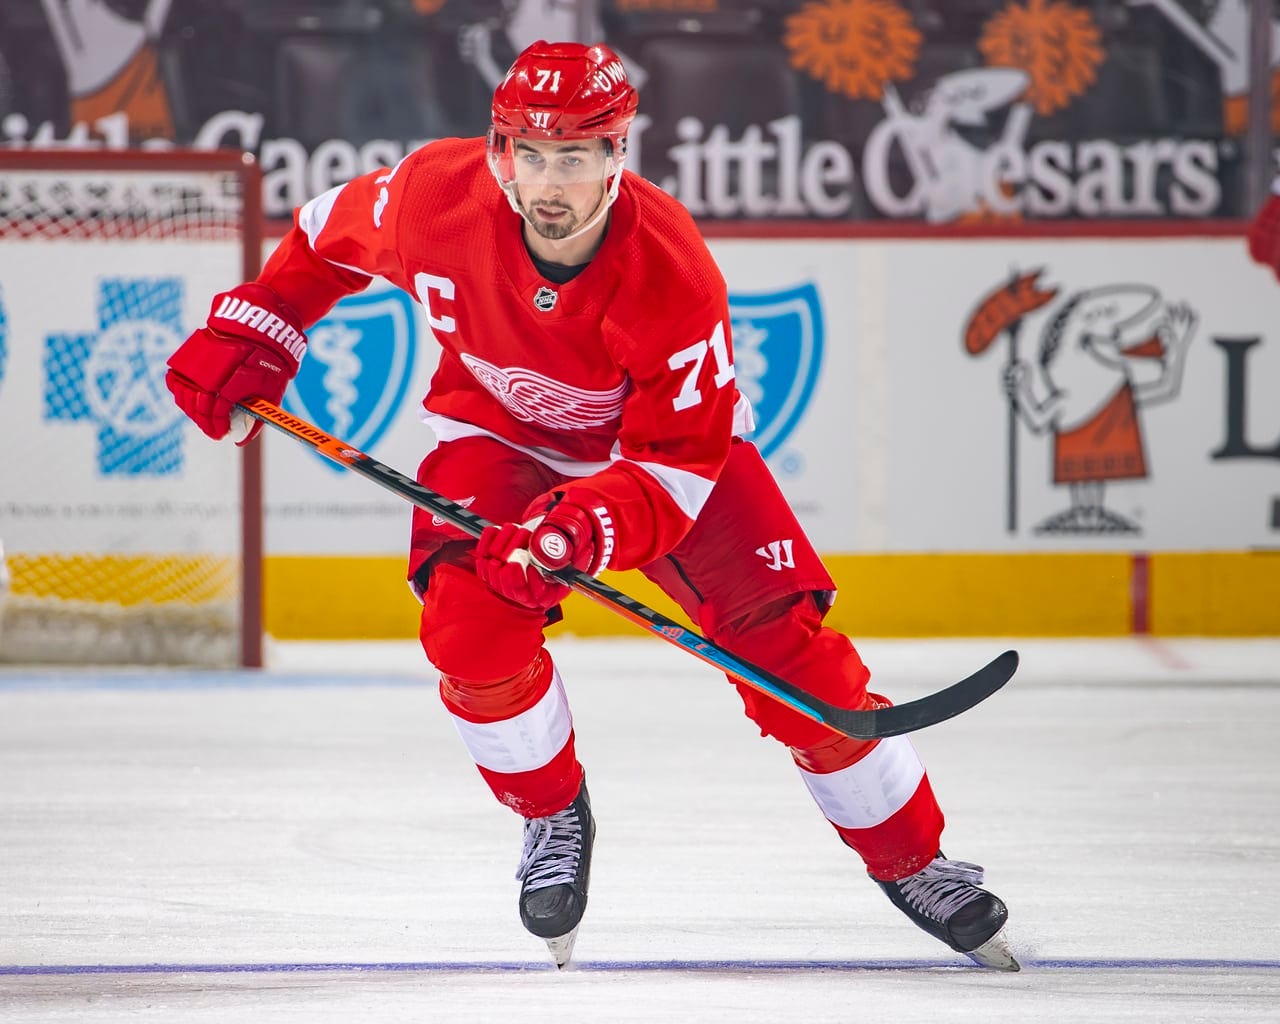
(501, 687)
(875, 794)
(519, 732)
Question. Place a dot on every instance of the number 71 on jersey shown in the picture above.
(693, 357)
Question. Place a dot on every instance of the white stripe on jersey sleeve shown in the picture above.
(869, 791)
(744, 417)
(312, 218)
(688, 490)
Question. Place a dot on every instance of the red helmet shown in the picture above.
(565, 91)
(556, 92)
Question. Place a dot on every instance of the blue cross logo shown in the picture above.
(114, 376)
(777, 353)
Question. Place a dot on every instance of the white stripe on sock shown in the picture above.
(869, 791)
(525, 742)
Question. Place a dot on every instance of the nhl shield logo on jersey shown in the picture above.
(113, 376)
(777, 354)
(357, 370)
(545, 299)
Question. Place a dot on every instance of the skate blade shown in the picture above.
(562, 948)
(995, 954)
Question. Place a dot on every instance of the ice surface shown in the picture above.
(312, 844)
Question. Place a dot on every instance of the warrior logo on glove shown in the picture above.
(251, 347)
(553, 546)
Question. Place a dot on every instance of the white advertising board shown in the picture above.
(1149, 419)
(97, 456)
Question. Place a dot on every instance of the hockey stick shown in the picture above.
(864, 725)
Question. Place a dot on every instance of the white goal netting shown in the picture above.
(128, 537)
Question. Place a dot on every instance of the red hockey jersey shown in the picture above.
(622, 377)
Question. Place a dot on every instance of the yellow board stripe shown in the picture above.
(337, 598)
(1220, 593)
(1230, 593)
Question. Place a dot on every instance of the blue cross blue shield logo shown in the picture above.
(356, 372)
(777, 354)
(113, 376)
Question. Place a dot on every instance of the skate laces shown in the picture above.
(942, 887)
(552, 850)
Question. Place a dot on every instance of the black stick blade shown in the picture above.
(929, 710)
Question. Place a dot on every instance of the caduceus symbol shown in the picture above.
(334, 344)
(1001, 313)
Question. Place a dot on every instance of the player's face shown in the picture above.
(560, 185)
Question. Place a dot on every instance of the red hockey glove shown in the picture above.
(1264, 235)
(250, 348)
(561, 530)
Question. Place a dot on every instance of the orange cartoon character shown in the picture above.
(1104, 353)
(112, 67)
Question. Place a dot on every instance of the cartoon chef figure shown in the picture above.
(1104, 353)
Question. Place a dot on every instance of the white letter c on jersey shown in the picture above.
(425, 285)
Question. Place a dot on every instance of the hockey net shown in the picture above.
(128, 537)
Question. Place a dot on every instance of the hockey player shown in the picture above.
(585, 401)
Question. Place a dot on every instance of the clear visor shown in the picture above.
(518, 161)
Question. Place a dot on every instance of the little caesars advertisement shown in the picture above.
(840, 109)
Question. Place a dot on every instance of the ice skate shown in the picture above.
(555, 869)
(943, 898)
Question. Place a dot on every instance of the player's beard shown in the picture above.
(562, 228)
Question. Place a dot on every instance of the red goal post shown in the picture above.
(128, 536)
